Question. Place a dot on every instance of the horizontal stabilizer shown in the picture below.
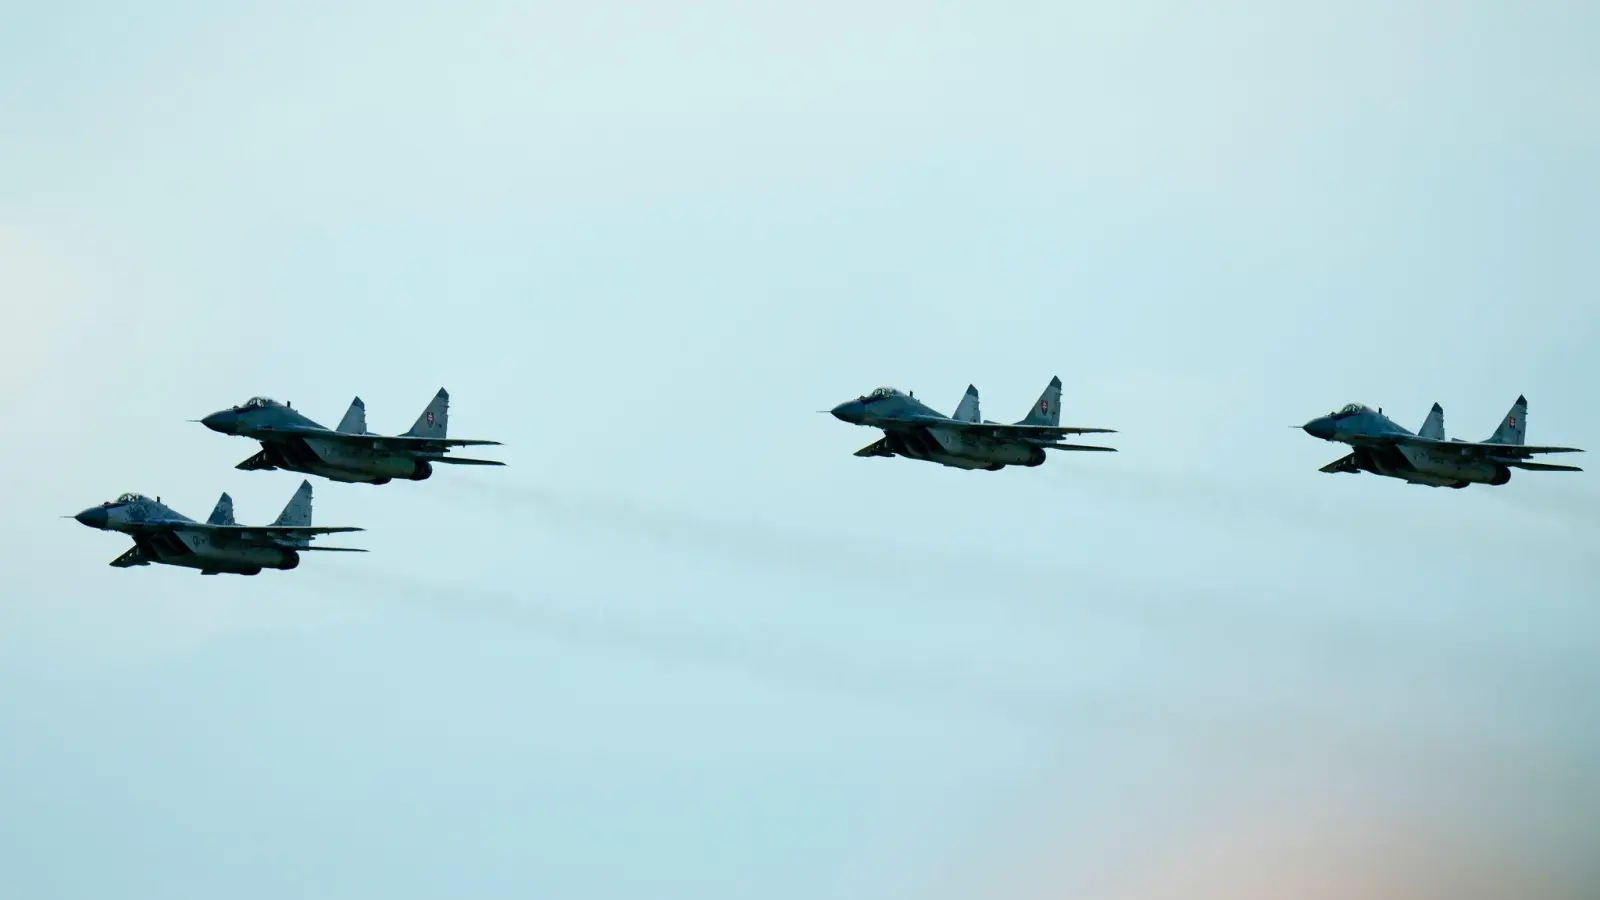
(1077, 447)
(334, 549)
(1537, 467)
(462, 461)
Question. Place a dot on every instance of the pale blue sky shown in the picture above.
(686, 645)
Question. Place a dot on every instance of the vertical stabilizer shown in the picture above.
(355, 418)
(1433, 426)
(433, 419)
(298, 512)
(1514, 427)
(967, 411)
(223, 513)
(1047, 409)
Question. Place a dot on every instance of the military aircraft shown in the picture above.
(1385, 448)
(350, 453)
(965, 440)
(163, 535)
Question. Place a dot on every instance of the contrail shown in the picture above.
(1189, 491)
(1338, 637)
(1290, 725)
(1575, 506)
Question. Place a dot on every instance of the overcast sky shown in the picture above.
(685, 644)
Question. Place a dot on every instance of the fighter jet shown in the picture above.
(350, 453)
(163, 535)
(1385, 448)
(965, 440)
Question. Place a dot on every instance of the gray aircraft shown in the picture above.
(349, 453)
(965, 440)
(1384, 448)
(163, 535)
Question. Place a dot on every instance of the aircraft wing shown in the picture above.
(1000, 429)
(1473, 448)
(295, 531)
(272, 535)
(379, 441)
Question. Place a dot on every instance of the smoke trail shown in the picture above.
(1339, 637)
(808, 668)
(1289, 725)
(1189, 491)
(1572, 506)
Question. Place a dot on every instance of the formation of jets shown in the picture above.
(911, 429)
(289, 440)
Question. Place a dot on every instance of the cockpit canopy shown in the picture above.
(1351, 409)
(880, 393)
(260, 403)
(130, 498)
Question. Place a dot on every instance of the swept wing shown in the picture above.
(378, 441)
(1502, 452)
(992, 429)
(270, 535)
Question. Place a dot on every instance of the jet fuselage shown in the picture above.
(194, 549)
(329, 458)
(929, 442)
(1435, 465)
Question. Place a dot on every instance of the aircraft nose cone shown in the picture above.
(849, 411)
(221, 422)
(1319, 428)
(94, 517)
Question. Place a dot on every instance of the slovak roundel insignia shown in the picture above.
(430, 417)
